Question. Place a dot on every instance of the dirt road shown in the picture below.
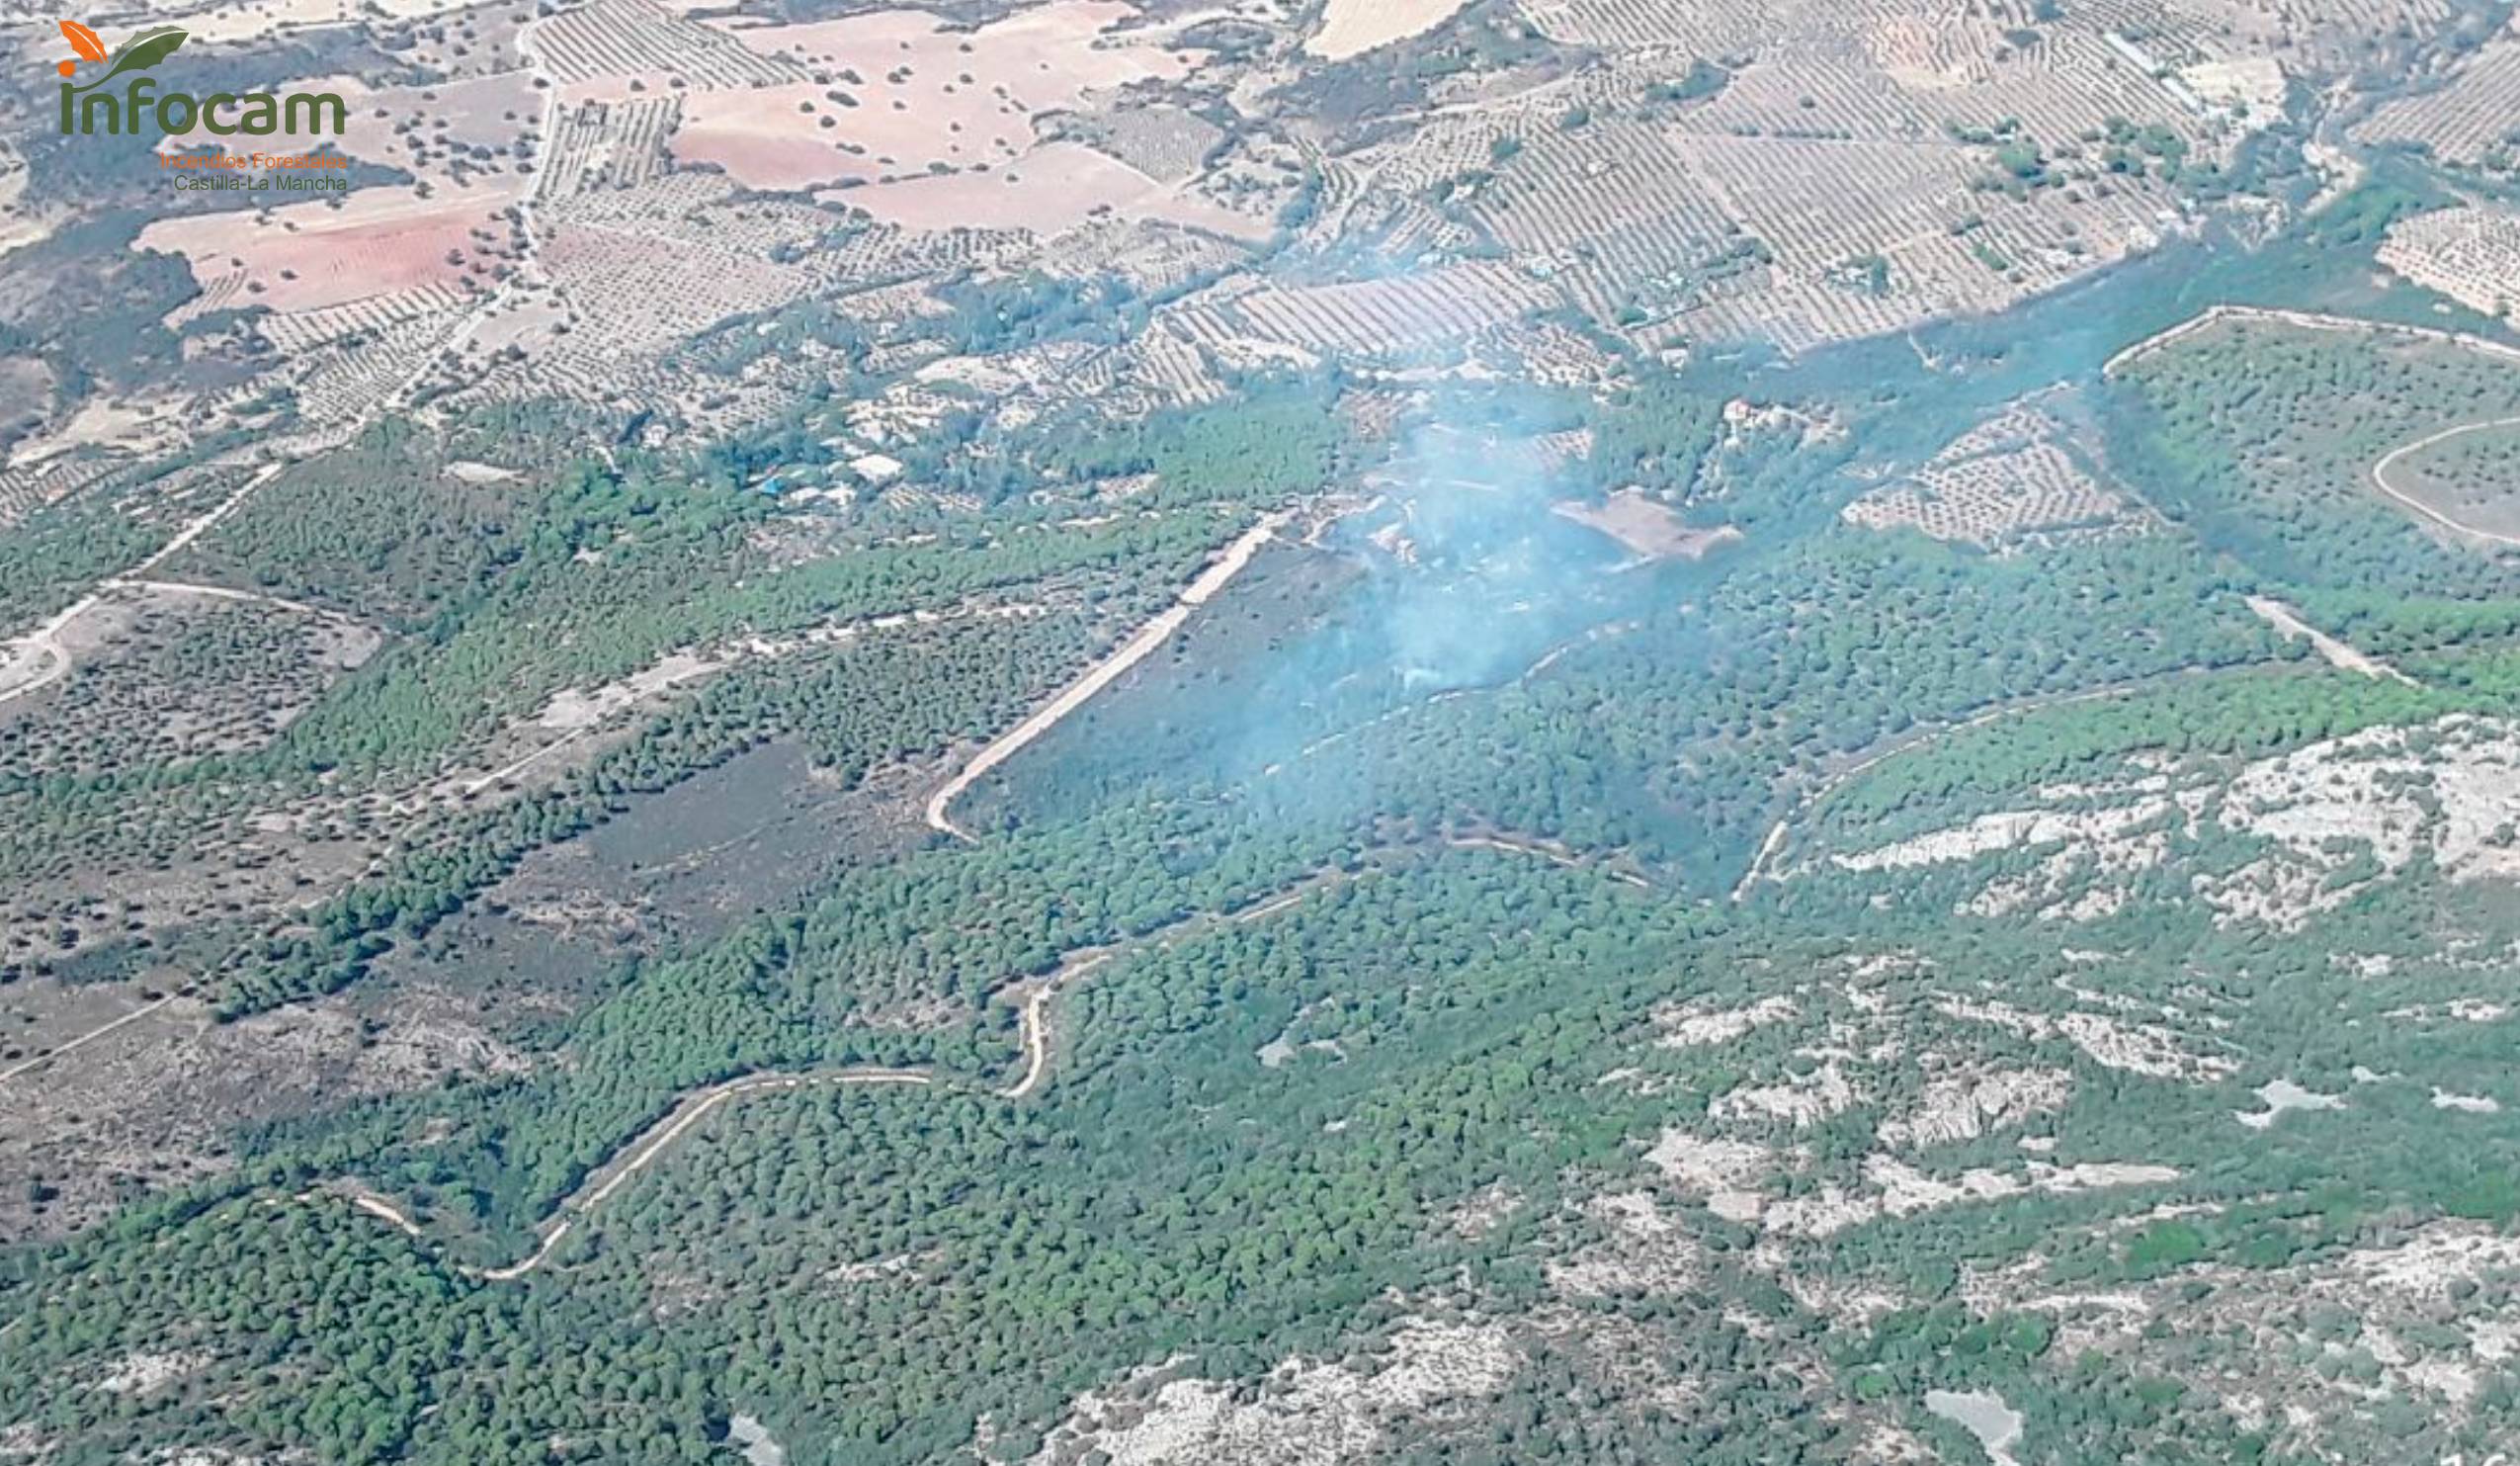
(1762, 865)
(89, 1037)
(643, 1149)
(2289, 623)
(2317, 322)
(1102, 674)
(38, 659)
(41, 659)
(2310, 321)
(636, 1154)
(2380, 480)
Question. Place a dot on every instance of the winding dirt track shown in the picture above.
(1036, 1021)
(2310, 321)
(42, 646)
(38, 658)
(636, 1157)
(2319, 322)
(2380, 480)
(1762, 865)
(642, 1149)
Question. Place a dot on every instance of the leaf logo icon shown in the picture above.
(142, 54)
(83, 41)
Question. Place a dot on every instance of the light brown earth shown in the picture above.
(381, 239)
(1351, 27)
(922, 99)
(1649, 529)
(1053, 188)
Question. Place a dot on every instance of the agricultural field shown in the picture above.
(2018, 475)
(2462, 119)
(1649, 529)
(1363, 318)
(1955, 169)
(898, 96)
(1074, 732)
(1351, 27)
(379, 242)
(2469, 254)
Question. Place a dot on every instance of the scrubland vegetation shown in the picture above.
(1786, 817)
(1463, 1023)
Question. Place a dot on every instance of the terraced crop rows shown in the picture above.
(701, 210)
(2004, 480)
(1817, 99)
(219, 293)
(628, 37)
(350, 379)
(304, 330)
(2176, 34)
(693, 208)
(2076, 85)
(1942, 49)
(2464, 121)
(639, 294)
(1155, 257)
(2345, 33)
(2471, 255)
(1443, 150)
(2013, 250)
(1849, 199)
(1702, 29)
(1375, 315)
(1172, 371)
(1795, 313)
(614, 144)
(1166, 143)
(1610, 208)
(24, 490)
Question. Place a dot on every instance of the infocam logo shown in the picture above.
(93, 106)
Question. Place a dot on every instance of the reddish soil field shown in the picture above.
(922, 98)
(379, 239)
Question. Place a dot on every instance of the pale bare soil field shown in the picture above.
(1351, 27)
(923, 97)
(1650, 530)
(1049, 190)
(261, 19)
